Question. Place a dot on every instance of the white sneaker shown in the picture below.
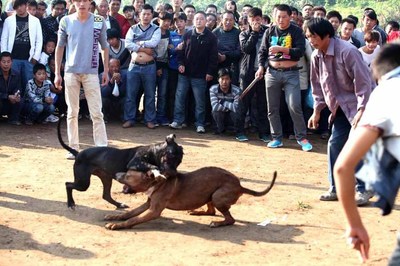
(362, 198)
(70, 156)
(52, 119)
(200, 130)
(175, 125)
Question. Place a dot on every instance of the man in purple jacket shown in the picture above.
(342, 81)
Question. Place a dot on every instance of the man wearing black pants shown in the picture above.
(250, 42)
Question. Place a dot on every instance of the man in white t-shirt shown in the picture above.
(379, 124)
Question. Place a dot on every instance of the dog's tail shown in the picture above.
(261, 193)
(65, 146)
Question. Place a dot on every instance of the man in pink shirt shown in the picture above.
(341, 81)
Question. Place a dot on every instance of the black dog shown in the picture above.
(162, 159)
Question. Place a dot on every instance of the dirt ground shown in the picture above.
(37, 228)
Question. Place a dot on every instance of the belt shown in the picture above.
(144, 64)
(285, 69)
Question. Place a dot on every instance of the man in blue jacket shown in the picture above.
(198, 62)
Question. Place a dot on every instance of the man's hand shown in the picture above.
(159, 72)
(181, 69)
(255, 26)
(313, 122)
(179, 46)
(358, 239)
(260, 73)
(104, 79)
(57, 81)
(275, 49)
(116, 77)
(14, 98)
(48, 100)
(357, 118)
(209, 77)
(221, 57)
(148, 51)
(33, 61)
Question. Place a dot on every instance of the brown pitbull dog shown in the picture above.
(211, 186)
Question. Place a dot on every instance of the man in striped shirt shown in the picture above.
(224, 98)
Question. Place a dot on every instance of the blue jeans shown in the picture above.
(38, 111)
(162, 95)
(137, 76)
(199, 87)
(289, 81)
(25, 68)
(340, 133)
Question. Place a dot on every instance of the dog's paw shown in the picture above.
(111, 226)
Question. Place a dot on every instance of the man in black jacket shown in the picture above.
(250, 42)
(198, 62)
(50, 23)
(10, 91)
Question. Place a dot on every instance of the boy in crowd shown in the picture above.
(50, 23)
(392, 30)
(175, 45)
(335, 19)
(32, 7)
(129, 13)
(22, 37)
(117, 49)
(319, 12)
(371, 48)
(250, 42)
(211, 19)
(41, 10)
(38, 101)
(189, 10)
(165, 20)
(307, 11)
(346, 31)
(59, 99)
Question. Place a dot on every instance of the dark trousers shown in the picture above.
(340, 133)
(11, 110)
(261, 104)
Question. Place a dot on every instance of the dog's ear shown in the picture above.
(170, 138)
